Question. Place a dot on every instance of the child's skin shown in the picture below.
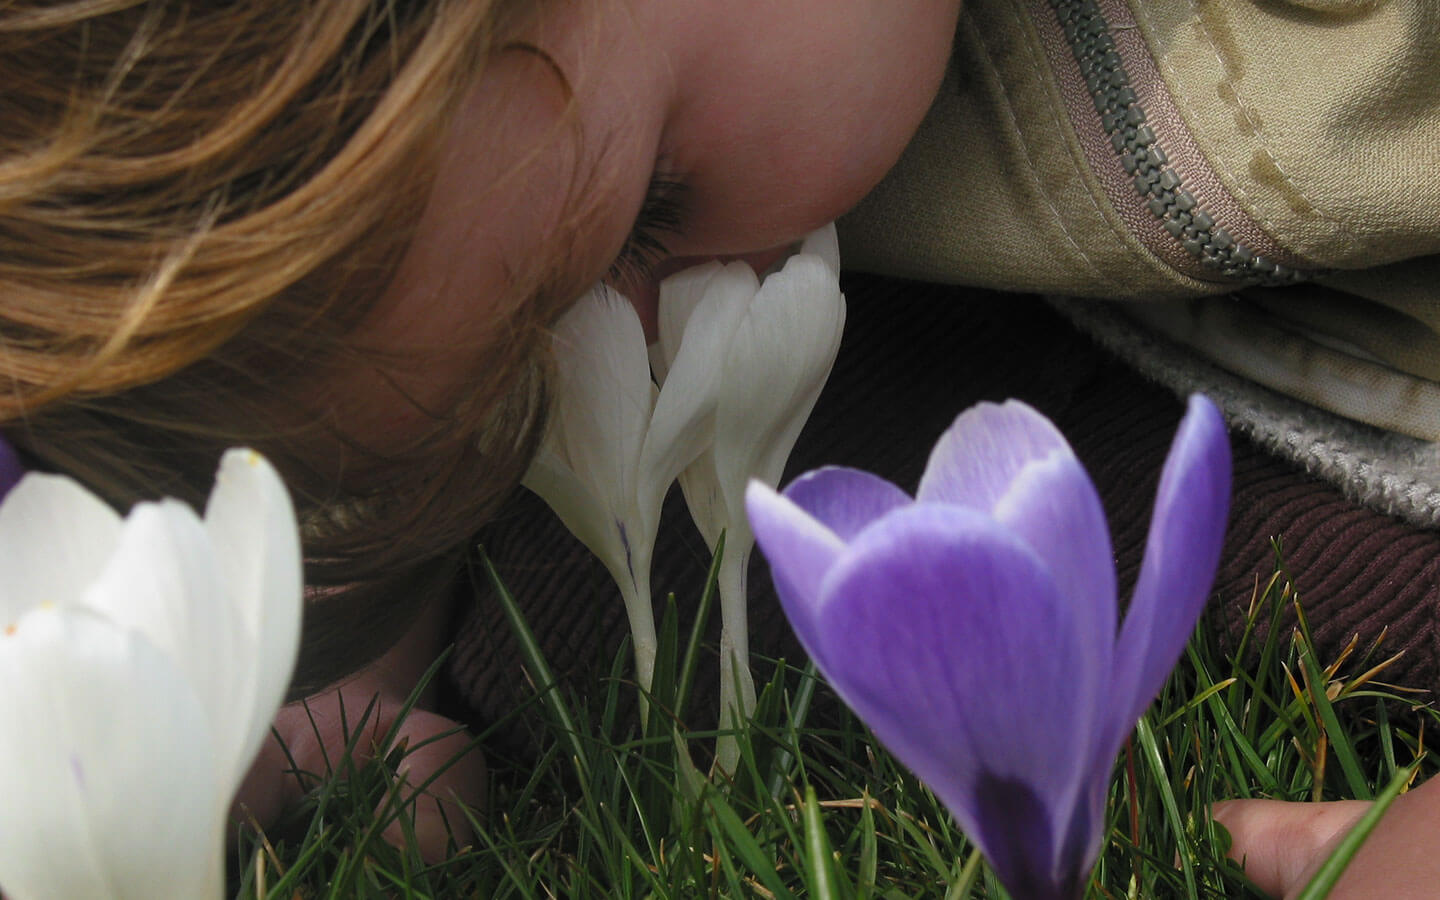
(1284, 843)
(313, 736)
(774, 119)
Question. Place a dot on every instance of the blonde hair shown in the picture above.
(197, 203)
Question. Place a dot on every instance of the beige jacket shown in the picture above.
(1264, 175)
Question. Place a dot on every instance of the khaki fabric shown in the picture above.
(1317, 122)
(1324, 122)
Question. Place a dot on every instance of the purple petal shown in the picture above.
(11, 468)
(948, 636)
(800, 551)
(979, 455)
(845, 500)
(1182, 551)
(826, 508)
(1053, 506)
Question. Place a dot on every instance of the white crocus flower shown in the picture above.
(141, 663)
(740, 365)
(746, 360)
(588, 468)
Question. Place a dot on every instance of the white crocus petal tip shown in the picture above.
(250, 520)
(54, 538)
(604, 397)
(682, 425)
(778, 362)
(824, 242)
(691, 289)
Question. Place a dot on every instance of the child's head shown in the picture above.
(337, 230)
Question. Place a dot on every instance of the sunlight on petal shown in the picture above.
(979, 455)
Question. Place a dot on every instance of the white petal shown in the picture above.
(680, 294)
(603, 395)
(163, 582)
(252, 527)
(105, 767)
(54, 538)
(703, 497)
(824, 242)
(683, 422)
(782, 353)
(582, 512)
(587, 470)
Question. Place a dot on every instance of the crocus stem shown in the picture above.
(642, 633)
(734, 659)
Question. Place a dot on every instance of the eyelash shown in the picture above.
(661, 216)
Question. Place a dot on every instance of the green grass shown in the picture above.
(817, 809)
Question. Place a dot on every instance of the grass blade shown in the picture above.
(545, 681)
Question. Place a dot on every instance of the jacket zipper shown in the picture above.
(1140, 149)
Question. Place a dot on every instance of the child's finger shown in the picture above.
(440, 815)
(1279, 843)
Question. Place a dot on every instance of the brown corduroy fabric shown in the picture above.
(913, 357)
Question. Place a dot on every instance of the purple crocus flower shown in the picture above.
(973, 627)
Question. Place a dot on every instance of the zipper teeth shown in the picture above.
(1161, 189)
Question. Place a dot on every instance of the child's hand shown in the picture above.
(270, 788)
(1282, 844)
(312, 734)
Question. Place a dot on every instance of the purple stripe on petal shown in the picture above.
(1182, 551)
(800, 551)
(845, 500)
(979, 455)
(947, 635)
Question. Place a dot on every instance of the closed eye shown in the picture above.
(661, 217)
